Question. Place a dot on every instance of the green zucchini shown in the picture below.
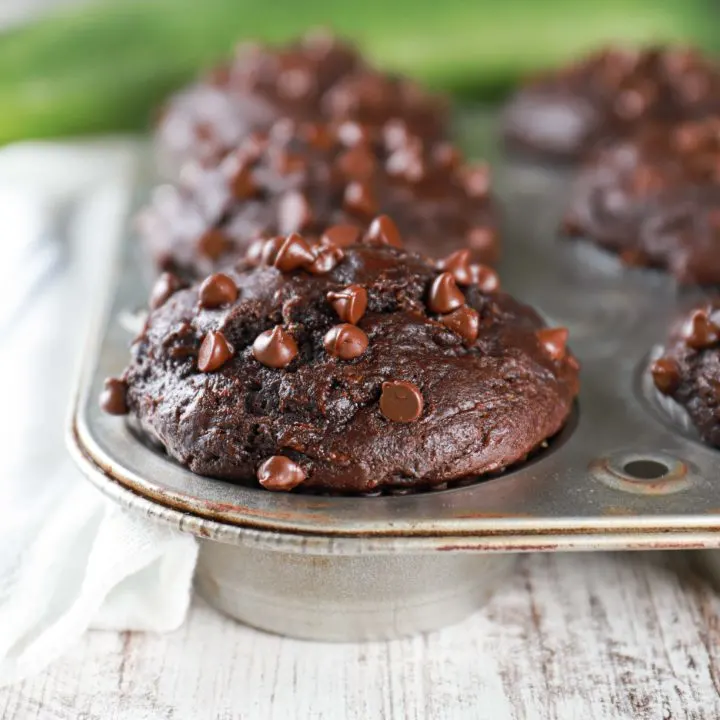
(105, 66)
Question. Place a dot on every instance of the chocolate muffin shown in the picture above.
(306, 177)
(608, 96)
(655, 200)
(346, 369)
(689, 370)
(314, 78)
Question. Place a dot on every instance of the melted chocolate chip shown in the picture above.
(215, 351)
(666, 375)
(275, 348)
(349, 303)
(359, 199)
(345, 341)
(384, 231)
(163, 289)
(699, 332)
(280, 473)
(401, 401)
(554, 342)
(326, 258)
(294, 253)
(465, 322)
(213, 244)
(113, 398)
(341, 235)
(219, 289)
(445, 296)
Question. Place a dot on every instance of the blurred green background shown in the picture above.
(104, 66)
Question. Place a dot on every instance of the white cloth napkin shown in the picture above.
(69, 559)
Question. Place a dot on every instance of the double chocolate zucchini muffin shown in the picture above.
(689, 370)
(346, 368)
(305, 177)
(655, 200)
(609, 96)
(315, 78)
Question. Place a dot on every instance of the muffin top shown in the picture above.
(306, 177)
(655, 199)
(609, 95)
(377, 370)
(316, 77)
(689, 369)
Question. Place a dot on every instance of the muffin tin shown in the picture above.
(624, 474)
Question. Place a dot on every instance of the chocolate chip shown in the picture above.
(482, 240)
(242, 184)
(251, 148)
(396, 134)
(270, 249)
(341, 235)
(215, 351)
(349, 303)
(113, 398)
(401, 401)
(484, 277)
(351, 133)
(445, 296)
(254, 254)
(295, 83)
(275, 348)
(317, 135)
(280, 473)
(326, 258)
(287, 163)
(407, 162)
(384, 231)
(357, 163)
(571, 226)
(345, 341)
(218, 289)
(446, 155)
(213, 244)
(294, 212)
(630, 104)
(666, 375)
(458, 263)
(163, 289)
(294, 253)
(465, 322)
(476, 180)
(699, 332)
(360, 199)
(554, 342)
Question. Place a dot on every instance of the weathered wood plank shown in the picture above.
(597, 637)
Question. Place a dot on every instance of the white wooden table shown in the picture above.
(586, 637)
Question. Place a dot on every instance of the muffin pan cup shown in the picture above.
(623, 474)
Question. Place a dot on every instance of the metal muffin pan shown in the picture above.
(622, 475)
